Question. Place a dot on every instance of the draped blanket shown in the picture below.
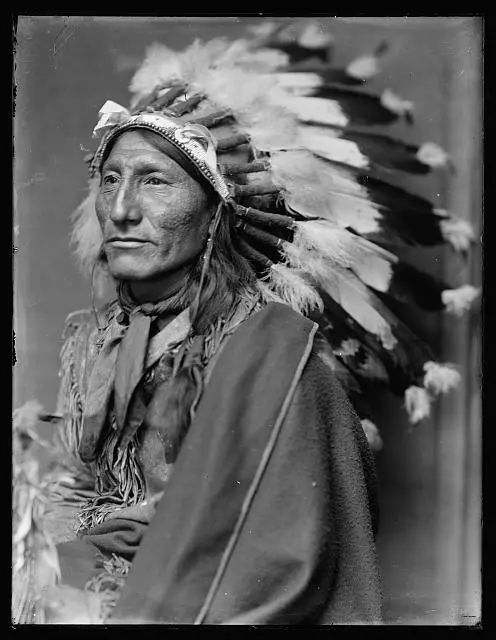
(270, 513)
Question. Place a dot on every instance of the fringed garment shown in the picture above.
(124, 480)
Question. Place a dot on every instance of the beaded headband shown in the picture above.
(194, 141)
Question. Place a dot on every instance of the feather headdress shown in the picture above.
(287, 140)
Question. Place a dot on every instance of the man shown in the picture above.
(239, 484)
(219, 472)
(221, 475)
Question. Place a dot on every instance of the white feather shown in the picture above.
(87, 239)
(160, 65)
(363, 68)
(333, 148)
(347, 348)
(316, 110)
(440, 378)
(314, 37)
(316, 189)
(372, 434)
(432, 155)
(417, 403)
(290, 287)
(457, 301)
(271, 128)
(316, 239)
(395, 103)
(86, 234)
(297, 83)
(459, 233)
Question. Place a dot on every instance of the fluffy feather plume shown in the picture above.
(86, 233)
(87, 239)
(348, 347)
(396, 104)
(433, 155)
(457, 301)
(291, 288)
(417, 403)
(364, 67)
(459, 233)
(440, 378)
(372, 434)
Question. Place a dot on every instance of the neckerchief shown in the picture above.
(123, 359)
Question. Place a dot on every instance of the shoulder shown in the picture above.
(79, 342)
(274, 321)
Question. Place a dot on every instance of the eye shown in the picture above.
(154, 181)
(110, 179)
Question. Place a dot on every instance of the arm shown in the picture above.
(75, 481)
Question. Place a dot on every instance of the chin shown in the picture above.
(123, 269)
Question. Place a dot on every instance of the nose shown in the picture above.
(125, 207)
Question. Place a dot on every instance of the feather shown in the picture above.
(292, 288)
(86, 233)
(355, 106)
(322, 245)
(373, 368)
(372, 434)
(417, 403)
(301, 42)
(363, 68)
(433, 155)
(316, 109)
(313, 36)
(327, 144)
(161, 64)
(315, 189)
(350, 293)
(402, 365)
(397, 105)
(457, 301)
(459, 233)
(373, 150)
(440, 378)
(412, 286)
(404, 217)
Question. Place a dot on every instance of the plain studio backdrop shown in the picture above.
(67, 67)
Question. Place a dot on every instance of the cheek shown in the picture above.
(101, 210)
(185, 219)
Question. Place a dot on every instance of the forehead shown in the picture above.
(132, 147)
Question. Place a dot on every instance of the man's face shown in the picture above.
(154, 216)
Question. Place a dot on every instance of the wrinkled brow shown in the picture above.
(144, 166)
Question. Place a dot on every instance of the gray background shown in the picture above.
(66, 68)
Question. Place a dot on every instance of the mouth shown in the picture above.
(126, 243)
